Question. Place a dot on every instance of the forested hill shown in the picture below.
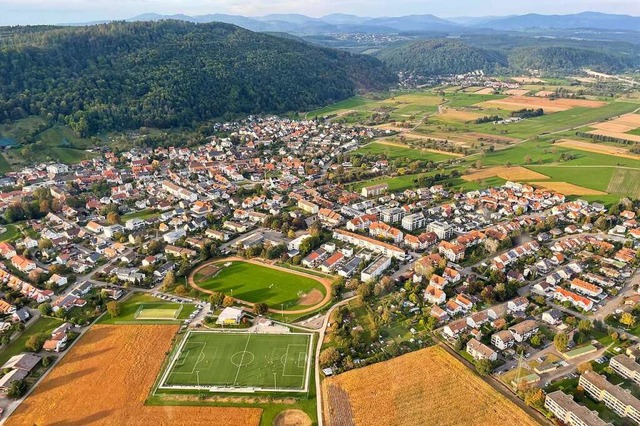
(160, 74)
(434, 57)
(437, 57)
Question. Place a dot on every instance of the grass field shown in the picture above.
(625, 182)
(407, 152)
(222, 360)
(105, 380)
(141, 214)
(256, 283)
(151, 305)
(11, 232)
(427, 387)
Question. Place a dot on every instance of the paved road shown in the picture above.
(322, 333)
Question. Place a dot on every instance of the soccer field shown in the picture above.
(226, 361)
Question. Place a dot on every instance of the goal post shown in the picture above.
(178, 311)
(137, 314)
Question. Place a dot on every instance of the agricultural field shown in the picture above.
(142, 308)
(103, 377)
(515, 103)
(625, 182)
(616, 151)
(514, 173)
(254, 283)
(226, 361)
(624, 127)
(407, 106)
(397, 150)
(424, 387)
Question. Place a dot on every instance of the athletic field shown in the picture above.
(227, 361)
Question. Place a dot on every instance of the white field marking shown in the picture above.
(286, 360)
(242, 359)
(201, 357)
(182, 359)
(304, 359)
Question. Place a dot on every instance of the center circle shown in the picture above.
(241, 359)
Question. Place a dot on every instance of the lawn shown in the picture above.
(392, 152)
(141, 214)
(43, 325)
(11, 233)
(129, 308)
(270, 362)
(255, 283)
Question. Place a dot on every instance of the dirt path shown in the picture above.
(326, 283)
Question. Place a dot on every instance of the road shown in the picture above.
(322, 333)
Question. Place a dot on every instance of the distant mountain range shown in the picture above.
(301, 24)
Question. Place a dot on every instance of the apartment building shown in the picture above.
(570, 412)
(616, 398)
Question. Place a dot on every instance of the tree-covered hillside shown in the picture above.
(433, 57)
(552, 59)
(161, 74)
(516, 54)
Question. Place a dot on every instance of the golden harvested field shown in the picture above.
(105, 379)
(544, 93)
(624, 123)
(457, 115)
(567, 188)
(514, 173)
(485, 91)
(598, 148)
(427, 387)
(517, 92)
(518, 102)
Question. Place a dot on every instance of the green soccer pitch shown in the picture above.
(239, 362)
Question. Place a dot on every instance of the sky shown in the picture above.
(14, 12)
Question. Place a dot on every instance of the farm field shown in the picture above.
(130, 311)
(103, 377)
(597, 148)
(254, 283)
(520, 102)
(403, 106)
(625, 182)
(567, 188)
(224, 360)
(396, 150)
(514, 173)
(424, 387)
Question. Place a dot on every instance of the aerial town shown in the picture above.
(528, 288)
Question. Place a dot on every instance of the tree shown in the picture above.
(478, 164)
(17, 389)
(34, 343)
(585, 366)
(534, 398)
(169, 281)
(181, 290)
(260, 308)
(216, 298)
(560, 341)
(329, 357)
(584, 325)
(536, 340)
(113, 308)
(113, 218)
(628, 319)
(484, 367)
(45, 243)
(45, 309)
(227, 301)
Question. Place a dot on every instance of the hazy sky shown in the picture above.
(64, 11)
